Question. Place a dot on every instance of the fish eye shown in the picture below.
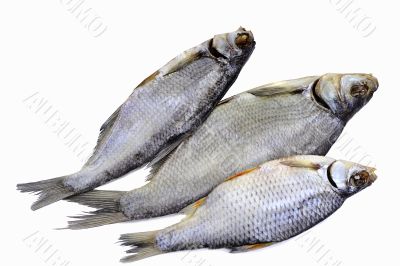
(359, 179)
(242, 39)
(359, 90)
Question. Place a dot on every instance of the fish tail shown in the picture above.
(142, 244)
(95, 219)
(49, 191)
(99, 199)
(107, 205)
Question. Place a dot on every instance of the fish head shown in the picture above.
(349, 178)
(234, 46)
(345, 94)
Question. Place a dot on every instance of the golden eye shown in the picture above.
(364, 175)
(242, 39)
(359, 179)
(359, 90)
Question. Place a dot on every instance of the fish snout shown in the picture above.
(371, 82)
(375, 82)
(372, 175)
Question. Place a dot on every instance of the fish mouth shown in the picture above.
(372, 175)
(375, 80)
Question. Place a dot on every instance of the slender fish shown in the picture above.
(261, 206)
(302, 116)
(165, 108)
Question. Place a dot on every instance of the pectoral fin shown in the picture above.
(242, 173)
(191, 209)
(284, 87)
(162, 156)
(181, 61)
(302, 164)
(174, 65)
(149, 79)
(105, 132)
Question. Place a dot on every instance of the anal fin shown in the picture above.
(251, 247)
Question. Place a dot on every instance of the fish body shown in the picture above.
(263, 129)
(157, 116)
(266, 123)
(267, 204)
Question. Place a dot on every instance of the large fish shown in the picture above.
(302, 116)
(259, 207)
(161, 111)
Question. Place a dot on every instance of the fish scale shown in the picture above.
(275, 221)
(145, 128)
(199, 172)
(162, 111)
(302, 116)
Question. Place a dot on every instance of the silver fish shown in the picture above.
(164, 109)
(302, 116)
(268, 204)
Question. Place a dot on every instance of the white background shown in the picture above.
(45, 49)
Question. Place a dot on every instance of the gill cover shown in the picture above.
(345, 94)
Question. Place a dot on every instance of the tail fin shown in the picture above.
(107, 203)
(143, 245)
(49, 191)
(99, 199)
(97, 218)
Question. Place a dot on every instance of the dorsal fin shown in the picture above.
(301, 164)
(242, 173)
(284, 87)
